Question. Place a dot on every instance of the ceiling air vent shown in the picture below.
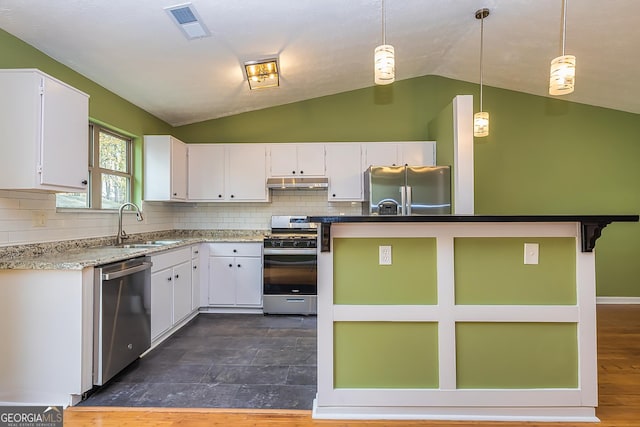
(187, 19)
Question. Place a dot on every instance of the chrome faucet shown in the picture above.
(121, 234)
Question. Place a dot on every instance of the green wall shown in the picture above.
(359, 279)
(490, 271)
(105, 107)
(543, 156)
(386, 355)
(516, 355)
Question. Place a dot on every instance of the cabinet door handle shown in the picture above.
(177, 275)
(85, 182)
(219, 196)
(235, 250)
(333, 195)
(175, 194)
(301, 172)
(239, 265)
(197, 252)
(169, 278)
(230, 265)
(232, 196)
(195, 267)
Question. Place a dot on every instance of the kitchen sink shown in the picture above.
(139, 245)
(149, 244)
(162, 242)
(142, 245)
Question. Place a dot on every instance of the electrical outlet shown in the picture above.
(531, 253)
(385, 255)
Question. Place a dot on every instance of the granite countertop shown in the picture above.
(78, 254)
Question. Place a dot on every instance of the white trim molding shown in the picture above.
(618, 300)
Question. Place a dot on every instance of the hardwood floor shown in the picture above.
(618, 374)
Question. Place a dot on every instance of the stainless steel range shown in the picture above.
(290, 266)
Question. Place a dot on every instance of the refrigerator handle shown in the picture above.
(403, 200)
(408, 201)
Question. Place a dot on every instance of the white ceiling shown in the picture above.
(134, 49)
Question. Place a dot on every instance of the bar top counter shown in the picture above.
(591, 225)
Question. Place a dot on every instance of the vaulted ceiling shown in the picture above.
(134, 49)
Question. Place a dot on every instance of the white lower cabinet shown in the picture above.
(171, 290)
(195, 277)
(235, 274)
(46, 331)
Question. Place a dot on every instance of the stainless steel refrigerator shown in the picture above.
(407, 190)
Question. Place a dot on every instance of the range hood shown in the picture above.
(306, 183)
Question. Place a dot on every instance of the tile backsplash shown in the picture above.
(247, 216)
(31, 217)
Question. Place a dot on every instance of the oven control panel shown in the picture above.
(290, 243)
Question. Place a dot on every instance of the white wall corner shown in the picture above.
(463, 165)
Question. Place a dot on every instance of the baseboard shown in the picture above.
(617, 300)
(461, 413)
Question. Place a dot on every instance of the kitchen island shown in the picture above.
(458, 317)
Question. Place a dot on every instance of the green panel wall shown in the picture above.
(385, 355)
(359, 279)
(492, 271)
(105, 107)
(516, 355)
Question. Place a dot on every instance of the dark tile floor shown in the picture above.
(223, 361)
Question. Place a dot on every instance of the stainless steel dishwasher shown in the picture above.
(122, 316)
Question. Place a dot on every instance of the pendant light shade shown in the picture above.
(481, 124)
(384, 59)
(563, 68)
(481, 118)
(385, 65)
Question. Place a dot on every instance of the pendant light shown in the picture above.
(563, 68)
(384, 59)
(481, 118)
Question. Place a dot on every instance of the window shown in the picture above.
(110, 172)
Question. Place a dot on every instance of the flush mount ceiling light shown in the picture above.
(262, 74)
(384, 59)
(481, 118)
(187, 19)
(563, 68)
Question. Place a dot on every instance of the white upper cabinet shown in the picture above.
(43, 133)
(206, 165)
(296, 160)
(344, 170)
(417, 153)
(165, 168)
(414, 153)
(246, 173)
(380, 153)
(227, 173)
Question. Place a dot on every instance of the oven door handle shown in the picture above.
(290, 251)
